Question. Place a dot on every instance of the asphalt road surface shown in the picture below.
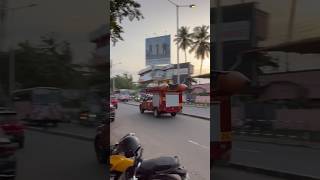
(297, 160)
(52, 157)
(199, 111)
(220, 173)
(187, 137)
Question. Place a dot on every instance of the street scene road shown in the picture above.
(187, 137)
(53, 157)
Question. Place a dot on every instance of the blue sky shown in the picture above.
(160, 19)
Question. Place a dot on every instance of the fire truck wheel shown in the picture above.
(141, 110)
(155, 112)
(173, 114)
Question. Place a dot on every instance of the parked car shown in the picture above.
(11, 126)
(114, 101)
(124, 98)
(7, 157)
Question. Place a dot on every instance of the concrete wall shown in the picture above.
(298, 119)
(305, 79)
(202, 99)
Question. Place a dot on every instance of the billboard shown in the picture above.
(158, 50)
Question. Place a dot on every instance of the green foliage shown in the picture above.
(197, 41)
(124, 81)
(184, 39)
(120, 10)
(201, 44)
(45, 64)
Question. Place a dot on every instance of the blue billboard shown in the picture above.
(158, 50)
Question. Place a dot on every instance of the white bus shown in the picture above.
(40, 105)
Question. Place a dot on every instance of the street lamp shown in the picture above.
(177, 11)
(113, 79)
(11, 49)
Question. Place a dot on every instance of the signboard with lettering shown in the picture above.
(158, 50)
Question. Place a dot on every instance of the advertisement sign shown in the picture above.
(158, 50)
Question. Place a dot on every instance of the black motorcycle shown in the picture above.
(161, 168)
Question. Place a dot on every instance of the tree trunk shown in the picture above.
(201, 66)
(185, 56)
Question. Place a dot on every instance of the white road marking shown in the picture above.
(247, 150)
(195, 143)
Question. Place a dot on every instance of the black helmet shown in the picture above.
(129, 145)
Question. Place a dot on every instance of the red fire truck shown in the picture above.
(164, 98)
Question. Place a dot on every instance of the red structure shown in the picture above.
(165, 98)
(224, 86)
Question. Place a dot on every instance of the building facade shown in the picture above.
(101, 38)
(166, 73)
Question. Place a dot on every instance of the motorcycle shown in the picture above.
(119, 163)
(132, 166)
(161, 168)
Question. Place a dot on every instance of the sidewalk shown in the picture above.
(278, 141)
(75, 130)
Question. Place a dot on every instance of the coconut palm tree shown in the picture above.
(184, 39)
(201, 44)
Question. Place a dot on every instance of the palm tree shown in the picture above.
(184, 39)
(201, 44)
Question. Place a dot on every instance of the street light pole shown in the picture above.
(177, 14)
(12, 78)
(113, 79)
(178, 63)
(218, 62)
(12, 71)
(290, 28)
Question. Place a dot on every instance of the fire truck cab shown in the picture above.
(164, 98)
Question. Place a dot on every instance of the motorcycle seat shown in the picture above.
(164, 163)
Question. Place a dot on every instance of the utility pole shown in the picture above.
(12, 78)
(218, 61)
(177, 15)
(290, 28)
(3, 16)
(113, 79)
